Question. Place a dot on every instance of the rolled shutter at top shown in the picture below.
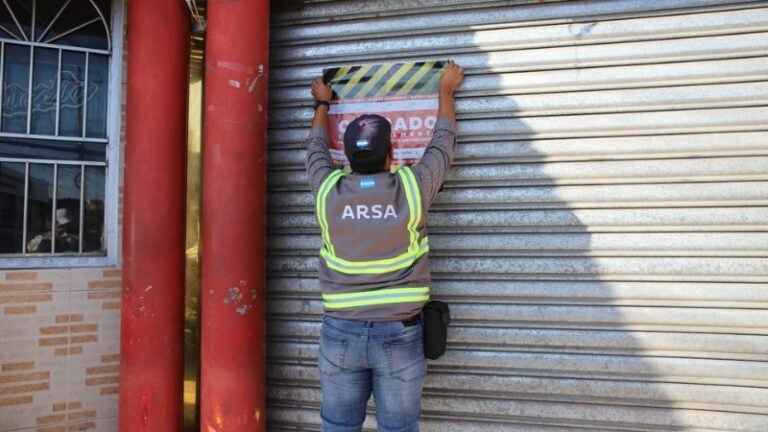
(602, 237)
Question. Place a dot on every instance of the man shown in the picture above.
(65, 242)
(373, 267)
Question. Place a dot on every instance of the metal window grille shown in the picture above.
(55, 59)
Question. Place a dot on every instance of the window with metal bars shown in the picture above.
(54, 128)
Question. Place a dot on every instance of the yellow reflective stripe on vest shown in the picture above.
(322, 194)
(413, 197)
(377, 266)
(376, 297)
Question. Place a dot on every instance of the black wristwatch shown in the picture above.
(322, 102)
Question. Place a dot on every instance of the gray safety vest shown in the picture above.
(373, 262)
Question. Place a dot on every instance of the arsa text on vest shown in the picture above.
(376, 211)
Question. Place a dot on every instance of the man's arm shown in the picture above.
(319, 162)
(437, 158)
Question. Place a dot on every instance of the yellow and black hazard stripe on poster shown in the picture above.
(405, 94)
(385, 80)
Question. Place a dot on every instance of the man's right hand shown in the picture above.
(453, 75)
(321, 90)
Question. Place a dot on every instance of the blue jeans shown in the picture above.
(360, 357)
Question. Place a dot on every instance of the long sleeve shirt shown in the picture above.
(430, 172)
(392, 294)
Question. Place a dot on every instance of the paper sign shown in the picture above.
(404, 93)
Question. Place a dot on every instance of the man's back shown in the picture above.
(374, 237)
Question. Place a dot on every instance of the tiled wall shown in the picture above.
(59, 350)
(60, 337)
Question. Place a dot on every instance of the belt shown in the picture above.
(412, 321)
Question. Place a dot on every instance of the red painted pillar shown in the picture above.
(234, 212)
(152, 320)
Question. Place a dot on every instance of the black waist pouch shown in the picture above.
(437, 316)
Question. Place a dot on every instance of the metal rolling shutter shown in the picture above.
(604, 232)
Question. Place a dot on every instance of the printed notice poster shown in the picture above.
(404, 93)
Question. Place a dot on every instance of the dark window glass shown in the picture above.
(45, 13)
(11, 206)
(56, 150)
(23, 13)
(76, 14)
(9, 29)
(68, 184)
(71, 93)
(46, 65)
(98, 80)
(39, 208)
(15, 89)
(55, 21)
(94, 239)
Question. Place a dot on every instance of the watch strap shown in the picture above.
(322, 102)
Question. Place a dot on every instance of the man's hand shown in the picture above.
(321, 90)
(453, 75)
